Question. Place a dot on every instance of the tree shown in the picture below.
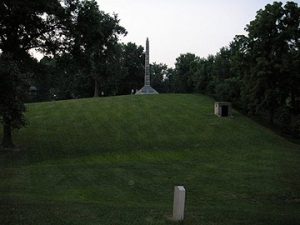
(95, 33)
(24, 25)
(221, 68)
(89, 58)
(133, 70)
(12, 94)
(169, 81)
(158, 76)
(273, 53)
(111, 70)
(184, 68)
(67, 77)
(291, 30)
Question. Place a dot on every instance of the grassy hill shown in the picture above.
(115, 161)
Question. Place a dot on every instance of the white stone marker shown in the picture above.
(178, 205)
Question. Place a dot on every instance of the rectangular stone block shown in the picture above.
(223, 109)
(179, 203)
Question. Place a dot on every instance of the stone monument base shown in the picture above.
(147, 90)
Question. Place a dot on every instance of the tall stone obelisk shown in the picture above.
(147, 64)
(147, 89)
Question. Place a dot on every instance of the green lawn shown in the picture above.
(115, 161)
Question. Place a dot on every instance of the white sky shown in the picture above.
(176, 27)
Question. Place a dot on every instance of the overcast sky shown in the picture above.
(175, 27)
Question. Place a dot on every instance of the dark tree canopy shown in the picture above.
(133, 60)
(95, 34)
(27, 24)
(273, 53)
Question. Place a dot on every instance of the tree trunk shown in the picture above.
(7, 137)
(96, 91)
(272, 116)
(293, 103)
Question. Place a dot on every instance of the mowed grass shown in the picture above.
(115, 161)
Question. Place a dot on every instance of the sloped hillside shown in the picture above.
(116, 160)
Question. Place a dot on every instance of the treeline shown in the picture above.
(65, 77)
(258, 72)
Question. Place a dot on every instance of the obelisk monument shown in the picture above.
(147, 89)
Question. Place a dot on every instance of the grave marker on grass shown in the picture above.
(178, 204)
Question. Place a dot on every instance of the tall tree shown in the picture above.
(132, 61)
(291, 30)
(184, 69)
(159, 74)
(273, 41)
(12, 86)
(24, 25)
(95, 33)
